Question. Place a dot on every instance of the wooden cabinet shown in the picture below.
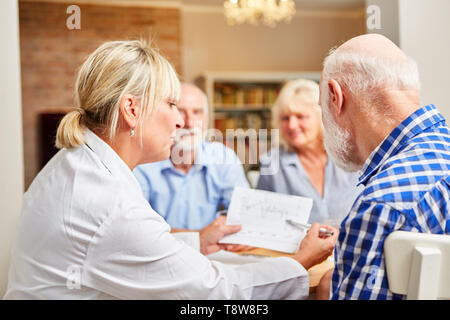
(234, 94)
(243, 100)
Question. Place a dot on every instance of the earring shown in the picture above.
(132, 133)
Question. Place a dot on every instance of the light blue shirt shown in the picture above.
(290, 177)
(191, 200)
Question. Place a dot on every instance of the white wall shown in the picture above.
(11, 161)
(209, 44)
(424, 28)
(421, 29)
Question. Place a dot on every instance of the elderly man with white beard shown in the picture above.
(198, 179)
(374, 123)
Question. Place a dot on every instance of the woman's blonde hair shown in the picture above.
(114, 69)
(287, 101)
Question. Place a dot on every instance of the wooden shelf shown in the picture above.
(259, 76)
(244, 99)
(209, 79)
(231, 108)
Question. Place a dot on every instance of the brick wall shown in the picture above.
(51, 54)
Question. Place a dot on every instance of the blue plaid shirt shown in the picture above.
(407, 187)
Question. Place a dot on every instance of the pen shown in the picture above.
(323, 231)
(221, 213)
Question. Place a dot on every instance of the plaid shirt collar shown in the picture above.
(416, 123)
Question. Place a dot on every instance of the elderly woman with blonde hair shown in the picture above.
(87, 232)
(302, 165)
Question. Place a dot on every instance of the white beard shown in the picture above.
(187, 141)
(337, 142)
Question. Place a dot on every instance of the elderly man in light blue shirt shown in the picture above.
(199, 178)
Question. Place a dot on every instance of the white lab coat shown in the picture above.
(86, 232)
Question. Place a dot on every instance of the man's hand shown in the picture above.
(211, 234)
(314, 247)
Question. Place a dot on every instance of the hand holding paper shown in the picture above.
(263, 216)
(210, 235)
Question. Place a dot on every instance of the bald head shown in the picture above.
(192, 95)
(193, 107)
(189, 88)
(369, 64)
(373, 45)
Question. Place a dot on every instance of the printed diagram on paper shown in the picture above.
(263, 215)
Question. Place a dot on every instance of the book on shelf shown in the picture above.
(234, 96)
(219, 123)
(227, 95)
(255, 96)
(248, 121)
(239, 97)
(253, 121)
(270, 95)
(231, 123)
(217, 97)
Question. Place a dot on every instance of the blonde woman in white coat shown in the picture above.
(86, 231)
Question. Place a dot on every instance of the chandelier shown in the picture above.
(270, 12)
